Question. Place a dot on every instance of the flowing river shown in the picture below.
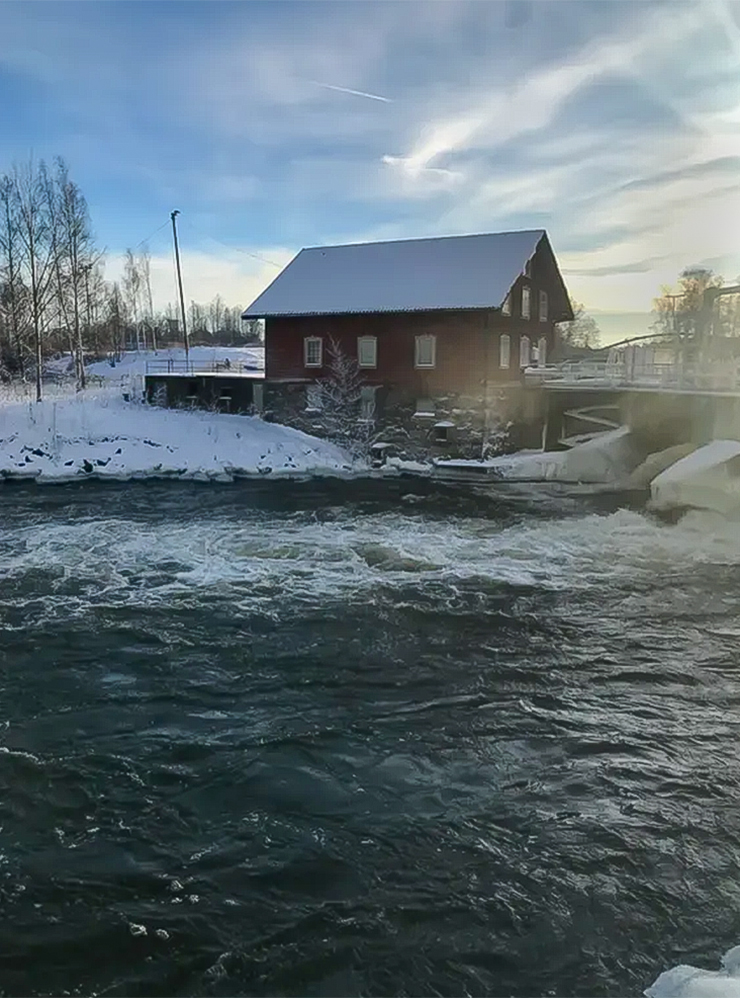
(376, 738)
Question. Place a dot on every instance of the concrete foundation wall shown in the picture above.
(200, 391)
(498, 419)
(669, 419)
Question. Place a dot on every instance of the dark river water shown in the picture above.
(363, 739)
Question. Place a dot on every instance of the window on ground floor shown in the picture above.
(367, 403)
(313, 351)
(367, 351)
(314, 398)
(504, 352)
(524, 351)
(426, 351)
(542, 352)
(424, 407)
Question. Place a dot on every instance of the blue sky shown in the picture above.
(615, 125)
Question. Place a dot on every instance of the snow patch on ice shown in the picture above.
(707, 479)
(608, 458)
(685, 981)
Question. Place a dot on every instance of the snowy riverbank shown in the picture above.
(97, 434)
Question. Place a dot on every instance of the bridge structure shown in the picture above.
(666, 403)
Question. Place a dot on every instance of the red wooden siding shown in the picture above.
(467, 347)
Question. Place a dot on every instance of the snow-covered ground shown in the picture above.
(98, 434)
(134, 362)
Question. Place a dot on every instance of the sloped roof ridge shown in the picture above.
(423, 239)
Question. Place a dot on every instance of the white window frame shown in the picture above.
(504, 352)
(426, 338)
(542, 352)
(526, 302)
(528, 268)
(506, 307)
(525, 351)
(543, 306)
(370, 342)
(308, 342)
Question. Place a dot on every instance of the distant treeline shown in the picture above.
(53, 294)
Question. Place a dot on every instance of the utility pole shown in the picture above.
(173, 216)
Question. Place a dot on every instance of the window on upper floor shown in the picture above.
(504, 353)
(528, 268)
(367, 351)
(506, 307)
(425, 352)
(313, 351)
(543, 306)
(525, 303)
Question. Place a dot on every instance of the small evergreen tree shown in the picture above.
(342, 404)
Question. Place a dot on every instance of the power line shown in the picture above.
(162, 226)
(255, 256)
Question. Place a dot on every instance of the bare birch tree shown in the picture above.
(144, 264)
(13, 290)
(131, 288)
(115, 318)
(78, 255)
(216, 314)
(38, 248)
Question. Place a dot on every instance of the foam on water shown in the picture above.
(119, 560)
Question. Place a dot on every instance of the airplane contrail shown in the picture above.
(357, 93)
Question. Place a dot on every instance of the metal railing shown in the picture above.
(203, 367)
(717, 376)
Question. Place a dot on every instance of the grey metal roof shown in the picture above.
(449, 272)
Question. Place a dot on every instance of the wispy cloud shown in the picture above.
(356, 93)
(613, 125)
(509, 111)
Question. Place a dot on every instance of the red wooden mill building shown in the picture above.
(441, 329)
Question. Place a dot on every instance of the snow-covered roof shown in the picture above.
(448, 272)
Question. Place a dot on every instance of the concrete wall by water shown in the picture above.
(665, 419)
